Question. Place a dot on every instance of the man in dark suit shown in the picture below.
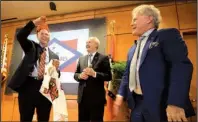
(158, 74)
(28, 77)
(92, 70)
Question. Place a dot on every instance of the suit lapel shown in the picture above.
(86, 61)
(95, 59)
(131, 53)
(146, 47)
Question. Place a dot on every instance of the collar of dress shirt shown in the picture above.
(93, 54)
(147, 33)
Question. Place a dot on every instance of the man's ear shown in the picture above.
(150, 19)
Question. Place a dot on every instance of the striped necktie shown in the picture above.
(41, 69)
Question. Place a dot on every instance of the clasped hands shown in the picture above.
(86, 73)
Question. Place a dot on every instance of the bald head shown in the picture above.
(92, 44)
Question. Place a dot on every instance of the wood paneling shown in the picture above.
(7, 107)
(123, 43)
(122, 19)
(114, 10)
(181, 1)
(169, 17)
(187, 15)
(163, 3)
(10, 110)
(71, 17)
(191, 41)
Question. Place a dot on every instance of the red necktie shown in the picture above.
(41, 69)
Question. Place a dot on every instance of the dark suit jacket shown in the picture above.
(165, 73)
(93, 88)
(32, 52)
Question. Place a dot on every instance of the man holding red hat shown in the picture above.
(28, 77)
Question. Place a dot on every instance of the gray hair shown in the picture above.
(96, 40)
(149, 10)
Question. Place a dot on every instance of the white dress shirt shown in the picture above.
(93, 54)
(89, 63)
(146, 34)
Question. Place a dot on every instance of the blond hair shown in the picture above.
(149, 10)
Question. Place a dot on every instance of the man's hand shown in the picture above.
(39, 21)
(83, 76)
(56, 63)
(116, 105)
(116, 108)
(175, 113)
(90, 72)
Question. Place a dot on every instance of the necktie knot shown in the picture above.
(141, 38)
(90, 55)
(44, 49)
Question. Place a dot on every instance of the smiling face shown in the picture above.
(144, 18)
(140, 24)
(43, 37)
(91, 46)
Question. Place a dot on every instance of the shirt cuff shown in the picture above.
(120, 96)
(119, 99)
